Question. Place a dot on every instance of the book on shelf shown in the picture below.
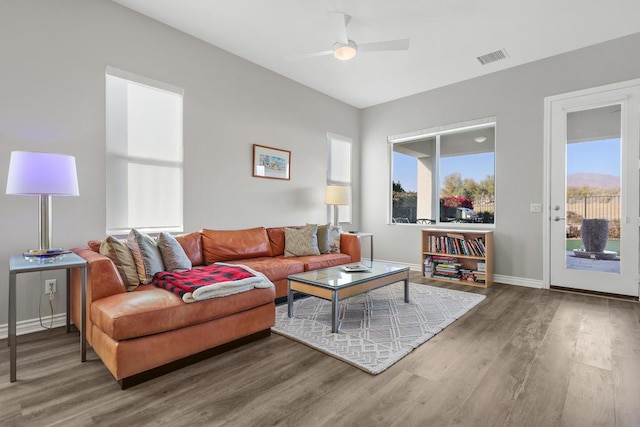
(456, 244)
(481, 266)
(428, 265)
(456, 236)
(466, 274)
(446, 268)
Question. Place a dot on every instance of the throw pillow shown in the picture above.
(173, 256)
(147, 254)
(137, 258)
(324, 243)
(301, 242)
(116, 250)
(334, 238)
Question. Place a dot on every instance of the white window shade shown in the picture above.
(339, 170)
(144, 154)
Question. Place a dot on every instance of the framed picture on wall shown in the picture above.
(269, 162)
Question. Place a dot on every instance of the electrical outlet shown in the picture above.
(50, 286)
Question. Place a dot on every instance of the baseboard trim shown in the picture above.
(29, 326)
(518, 281)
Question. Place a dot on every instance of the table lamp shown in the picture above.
(43, 175)
(337, 195)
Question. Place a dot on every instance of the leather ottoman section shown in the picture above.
(316, 262)
(274, 268)
(130, 357)
(150, 310)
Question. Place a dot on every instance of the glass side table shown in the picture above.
(21, 264)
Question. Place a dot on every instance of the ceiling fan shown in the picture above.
(345, 49)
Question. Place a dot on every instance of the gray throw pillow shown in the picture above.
(301, 242)
(324, 243)
(173, 255)
(334, 238)
(145, 252)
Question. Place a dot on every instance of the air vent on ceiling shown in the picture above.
(493, 56)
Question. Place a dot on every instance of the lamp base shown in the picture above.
(40, 252)
(45, 255)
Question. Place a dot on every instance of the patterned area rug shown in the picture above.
(376, 328)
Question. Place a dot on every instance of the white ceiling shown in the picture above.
(446, 37)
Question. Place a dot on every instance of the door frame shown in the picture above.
(546, 217)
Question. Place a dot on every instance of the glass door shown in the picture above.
(594, 192)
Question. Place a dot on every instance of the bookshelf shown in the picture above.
(458, 256)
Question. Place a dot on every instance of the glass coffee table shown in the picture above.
(334, 284)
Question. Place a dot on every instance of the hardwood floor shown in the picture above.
(523, 357)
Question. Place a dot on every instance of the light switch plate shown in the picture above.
(536, 207)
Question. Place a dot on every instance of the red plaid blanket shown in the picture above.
(213, 280)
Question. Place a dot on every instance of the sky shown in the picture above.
(593, 156)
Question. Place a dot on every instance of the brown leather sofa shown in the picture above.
(146, 332)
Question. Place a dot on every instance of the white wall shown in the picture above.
(52, 98)
(515, 96)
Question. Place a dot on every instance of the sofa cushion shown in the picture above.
(151, 310)
(302, 241)
(274, 268)
(192, 245)
(146, 254)
(227, 245)
(173, 256)
(276, 239)
(118, 252)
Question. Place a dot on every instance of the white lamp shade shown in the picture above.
(33, 174)
(337, 195)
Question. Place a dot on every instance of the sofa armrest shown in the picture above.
(350, 245)
(103, 279)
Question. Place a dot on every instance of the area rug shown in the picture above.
(376, 328)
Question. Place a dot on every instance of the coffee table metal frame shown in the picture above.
(334, 284)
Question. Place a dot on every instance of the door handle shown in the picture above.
(558, 218)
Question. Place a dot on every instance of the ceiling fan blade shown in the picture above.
(339, 23)
(311, 54)
(402, 44)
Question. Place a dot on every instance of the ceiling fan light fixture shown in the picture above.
(344, 52)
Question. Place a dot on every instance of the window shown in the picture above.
(444, 175)
(339, 169)
(144, 154)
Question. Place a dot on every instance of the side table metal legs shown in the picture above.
(12, 326)
(83, 315)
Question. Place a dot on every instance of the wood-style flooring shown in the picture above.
(523, 357)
